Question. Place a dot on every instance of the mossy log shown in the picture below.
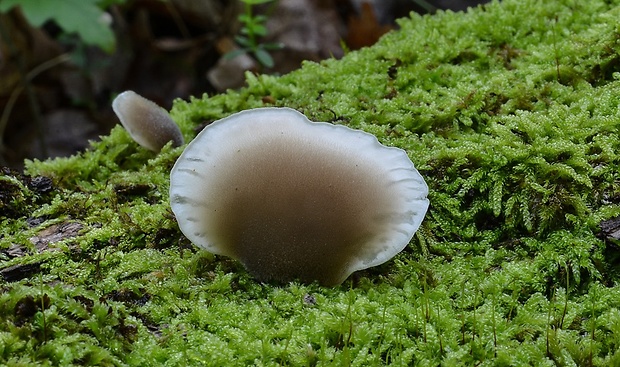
(510, 112)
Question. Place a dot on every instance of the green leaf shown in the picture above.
(83, 17)
(234, 53)
(257, 29)
(245, 18)
(260, 18)
(244, 41)
(264, 58)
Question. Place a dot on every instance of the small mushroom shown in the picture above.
(148, 124)
(294, 199)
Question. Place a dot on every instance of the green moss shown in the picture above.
(511, 114)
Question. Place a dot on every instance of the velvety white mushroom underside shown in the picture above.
(295, 199)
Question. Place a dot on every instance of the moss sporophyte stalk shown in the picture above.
(509, 112)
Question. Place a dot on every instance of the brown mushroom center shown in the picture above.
(273, 214)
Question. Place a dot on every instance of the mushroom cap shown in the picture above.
(295, 199)
(148, 124)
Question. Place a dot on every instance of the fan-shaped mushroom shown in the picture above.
(295, 199)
